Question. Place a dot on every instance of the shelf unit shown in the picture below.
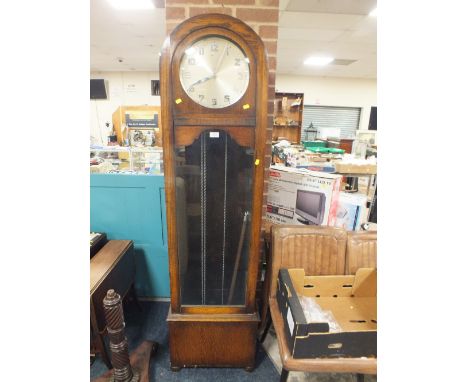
(118, 120)
(287, 120)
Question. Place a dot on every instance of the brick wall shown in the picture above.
(262, 17)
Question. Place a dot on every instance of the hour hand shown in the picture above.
(200, 81)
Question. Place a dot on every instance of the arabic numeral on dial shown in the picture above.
(191, 61)
(237, 61)
(240, 76)
(201, 51)
(214, 47)
(191, 89)
(214, 102)
(227, 99)
(201, 97)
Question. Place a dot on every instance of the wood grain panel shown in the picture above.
(228, 342)
(186, 135)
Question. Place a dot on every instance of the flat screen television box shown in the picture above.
(300, 196)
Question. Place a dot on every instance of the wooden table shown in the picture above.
(113, 267)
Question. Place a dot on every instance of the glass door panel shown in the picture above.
(214, 200)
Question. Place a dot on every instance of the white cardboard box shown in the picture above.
(299, 196)
(351, 211)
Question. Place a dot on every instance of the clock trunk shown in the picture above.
(213, 160)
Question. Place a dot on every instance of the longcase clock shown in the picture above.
(214, 83)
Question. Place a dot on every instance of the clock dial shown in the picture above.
(214, 72)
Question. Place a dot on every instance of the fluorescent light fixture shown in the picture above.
(318, 61)
(129, 5)
(373, 13)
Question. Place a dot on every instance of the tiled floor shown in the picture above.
(150, 324)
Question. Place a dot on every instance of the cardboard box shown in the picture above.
(300, 196)
(352, 301)
(351, 212)
(351, 168)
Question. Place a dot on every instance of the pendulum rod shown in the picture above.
(224, 218)
(238, 256)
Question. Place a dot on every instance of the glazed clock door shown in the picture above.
(214, 197)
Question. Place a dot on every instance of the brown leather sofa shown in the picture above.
(320, 251)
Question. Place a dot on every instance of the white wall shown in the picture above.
(134, 88)
(329, 91)
(123, 88)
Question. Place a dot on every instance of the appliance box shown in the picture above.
(352, 301)
(351, 212)
(300, 196)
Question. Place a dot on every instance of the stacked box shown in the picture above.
(300, 196)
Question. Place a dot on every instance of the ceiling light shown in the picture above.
(126, 5)
(318, 61)
(373, 13)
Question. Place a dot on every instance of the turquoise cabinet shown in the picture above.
(133, 207)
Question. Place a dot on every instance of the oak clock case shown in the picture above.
(214, 108)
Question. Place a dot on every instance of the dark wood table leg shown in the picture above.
(284, 375)
(359, 377)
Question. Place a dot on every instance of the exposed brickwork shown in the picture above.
(234, 2)
(175, 13)
(258, 15)
(262, 17)
(268, 31)
(187, 2)
(268, 3)
(270, 46)
(194, 11)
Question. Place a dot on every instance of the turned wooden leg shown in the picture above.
(126, 367)
(101, 347)
(359, 377)
(284, 375)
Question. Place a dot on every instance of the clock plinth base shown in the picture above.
(213, 340)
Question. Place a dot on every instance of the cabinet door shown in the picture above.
(213, 207)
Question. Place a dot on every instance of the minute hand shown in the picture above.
(215, 71)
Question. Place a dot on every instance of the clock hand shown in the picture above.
(218, 64)
(200, 81)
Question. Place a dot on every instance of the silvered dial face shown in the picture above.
(214, 72)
